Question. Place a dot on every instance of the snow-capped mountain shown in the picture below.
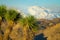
(43, 13)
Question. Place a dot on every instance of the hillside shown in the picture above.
(44, 23)
(50, 33)
(53, 33)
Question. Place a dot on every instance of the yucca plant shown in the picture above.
(29, 27)
(3, 10)
(9, 17)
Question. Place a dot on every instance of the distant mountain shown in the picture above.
(44, 23)
(43, 13)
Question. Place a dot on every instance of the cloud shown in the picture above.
(40, 12)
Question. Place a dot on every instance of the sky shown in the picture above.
(24, 4)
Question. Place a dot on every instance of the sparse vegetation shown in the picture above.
(13, 26)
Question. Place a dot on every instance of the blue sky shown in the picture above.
(24, 4)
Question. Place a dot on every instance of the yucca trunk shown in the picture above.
(27, 33)
(0, 28)
(32, 34)
(8, 30)
(17, 33)
(6, 34)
